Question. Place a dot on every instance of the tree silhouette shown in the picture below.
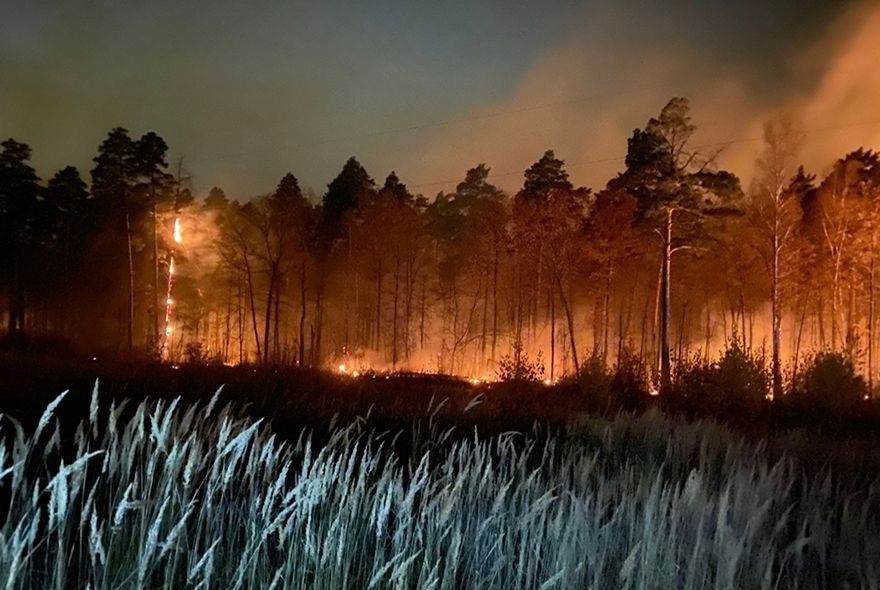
(668, 177)
(113, 180)
(19, 194)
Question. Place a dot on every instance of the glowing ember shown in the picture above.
(343, 369)
(653, 389)
(548, 382)
(169, 302)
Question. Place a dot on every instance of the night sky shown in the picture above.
(245, 92)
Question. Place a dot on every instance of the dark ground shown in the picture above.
(295, 398)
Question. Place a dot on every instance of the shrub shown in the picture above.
(595, 381)
(195, 354)
(629, 381)
(829, 379)
(691, 376)
(737, 380)
(608, 389)
(741, 377)
(517, 366)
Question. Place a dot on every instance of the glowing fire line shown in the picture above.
(169, 302)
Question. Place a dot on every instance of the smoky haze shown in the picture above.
(583, 100)
(245, 94)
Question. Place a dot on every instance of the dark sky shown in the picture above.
(250, 90)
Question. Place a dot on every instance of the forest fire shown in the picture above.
(481, 278)
(169, 301)
(504, 295)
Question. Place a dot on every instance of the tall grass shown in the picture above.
(159, 495)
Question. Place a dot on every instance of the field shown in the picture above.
(101, 491)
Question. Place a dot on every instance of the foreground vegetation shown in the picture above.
(170, 494)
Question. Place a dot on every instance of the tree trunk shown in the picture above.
(267, 323)
(422, 318)
(708, 330)
(407, 311)
(484, 328)
(552, 334)
(240, 311)
(570, 320)
(227, 323)
(665, 369)
(154, 315)
(379, 310)
(250, 283)
(776, 323)
(276, 340)
(318, 326)
(870, 330)
(835, 293)
(605, 312)
(302, 313)
(495, 301)
(394, 315)
(130, 286)
(681, 331)
(797, 346)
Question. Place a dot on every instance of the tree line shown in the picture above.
(671, 259)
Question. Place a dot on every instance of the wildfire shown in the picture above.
(344, 369)
(169, 302)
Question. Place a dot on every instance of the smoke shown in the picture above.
(584, 101)
(843, 106)
(198, 255)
